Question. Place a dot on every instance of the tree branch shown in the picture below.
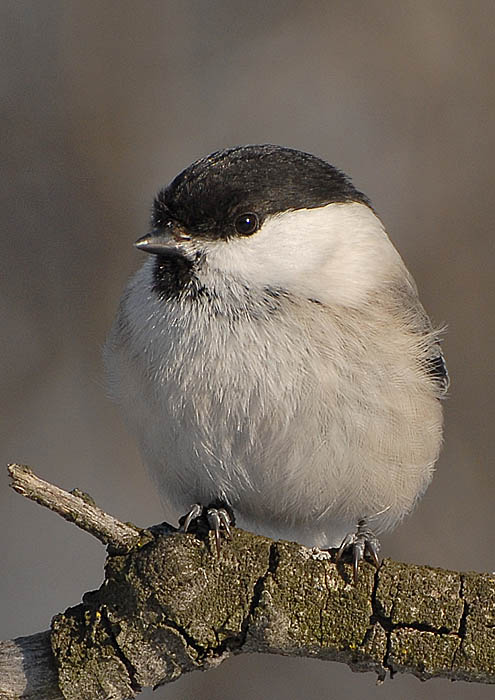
(171, 606)
(78, 508)
(28, 669)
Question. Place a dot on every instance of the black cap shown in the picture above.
(208, 196)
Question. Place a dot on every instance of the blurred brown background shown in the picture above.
(103, 103)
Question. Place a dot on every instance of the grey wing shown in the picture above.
(437, 369)
(433, 360)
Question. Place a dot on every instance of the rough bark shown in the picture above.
(171, 606)
(77, 507)
(28, 669)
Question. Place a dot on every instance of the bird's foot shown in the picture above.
(360, 543)
(215, 518)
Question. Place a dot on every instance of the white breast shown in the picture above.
(304, 416)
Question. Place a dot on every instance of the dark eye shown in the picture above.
(246, 224)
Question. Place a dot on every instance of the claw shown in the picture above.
(215, 522)
(225, 521)
(194, 513)
(361, 542)
(346, 542)
(218, 520)
(357, 557)
(373, 547)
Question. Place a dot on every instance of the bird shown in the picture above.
(273, 358)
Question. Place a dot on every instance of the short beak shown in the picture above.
(162, 243)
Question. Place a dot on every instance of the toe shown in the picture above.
(360, 543)
(373, 548)
(357, 557)
(215, 523)
(225, 521)
(193, 514)
(347, 542)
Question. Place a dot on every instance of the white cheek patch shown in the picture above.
(334, 254)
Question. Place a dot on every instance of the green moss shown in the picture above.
(172, 606)
(476, 657)
(426, 654)
(420, 595)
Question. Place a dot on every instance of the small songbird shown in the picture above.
(273, 357)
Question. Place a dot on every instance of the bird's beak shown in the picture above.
(163, 242)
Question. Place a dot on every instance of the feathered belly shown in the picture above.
(297, 421)
(301, 457)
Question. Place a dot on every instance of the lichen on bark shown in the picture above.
(173, 606)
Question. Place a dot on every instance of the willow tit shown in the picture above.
(273, 357)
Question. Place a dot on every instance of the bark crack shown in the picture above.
(377, 618)
(273, 559)
(200, 652)
(166, 608)
(385, 621)
(463, 622)
(131, 671)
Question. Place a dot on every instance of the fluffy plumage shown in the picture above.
(291, 373)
